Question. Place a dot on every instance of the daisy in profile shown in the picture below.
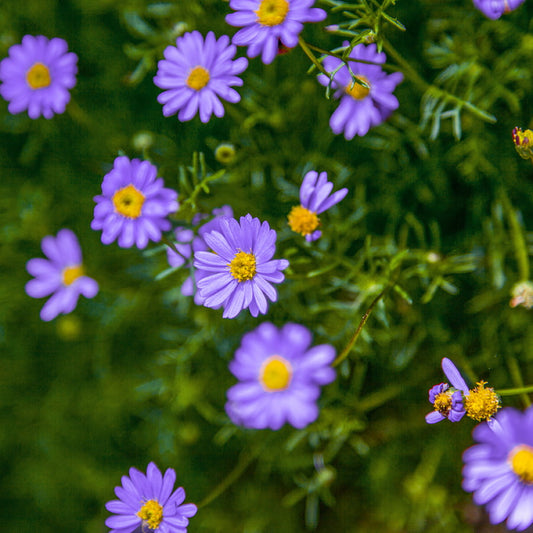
(61, 275)
(315, 198)
(149, 503)
(37, 76)
(133, 205)
(267, 22)
(280, 376)
(494, 9)
(361, 106)
(196, 74)
(239, 271)
(499, 469)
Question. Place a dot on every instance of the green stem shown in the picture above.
(312, 57)
(511, 392)
(202, 186)
(516, 376)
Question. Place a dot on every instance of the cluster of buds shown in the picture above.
(523, 143)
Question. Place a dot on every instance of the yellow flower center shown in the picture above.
(198, 78)
(242, 268)
(303, 221)
(521, 460)
(38, 76)
(275, 374)
(151, 514)
(128, 201)
(71, 274)
(358, 92)
(481, 403)
(443, 403)
(272, 12)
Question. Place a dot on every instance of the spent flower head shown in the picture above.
(133, 205)
(280, 376)
(61, 275)
(522, 294)
(494, 9)
(523, 143)
(149, 503)
(196, 74)
(266, 23)
(499, 469)
(37, 76)
(315, 198)
(239, 271)
(361, 106)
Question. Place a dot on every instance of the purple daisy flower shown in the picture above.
(448, 401)
(280, 377)
(267, 22)
(315, 199)
(148, 503)
(361, 108)
(499, 470)
(61, 275)
(37, 76)
(133, 205)
(187, 243)
(239, 271)
(196, 74)
(494, 9)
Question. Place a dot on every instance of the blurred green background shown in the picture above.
(139, 373)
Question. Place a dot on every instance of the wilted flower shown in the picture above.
(61, 275)
(280, 377)
(361, 107)
(499, 470)
(133, 205)
(522, 294)
(315, 199)
(196, 74)
(239, 271)
(37, 76)
(148, 503)
(494, 9)
(523, 143)
(267, 22)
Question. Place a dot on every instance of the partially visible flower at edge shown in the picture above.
(148, 501)
(315, 198)
(61, 275)
(499, 469)
(239, 271)
(522, 294)
(196, 74)
(280, 376)
(494, 9)
(361, 108)
(133, 205)
(266, 23)
(523, 143)
(37, 76)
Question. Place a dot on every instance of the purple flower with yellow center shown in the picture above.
(280, 376)
(37, 76)
(148, 503)
(448, 401)
(499, 469)
(61, 275)
(133, 205)
(494, 9)
(315, 199)
(239, 271)
(361, 106)
(197, 74)
(267, 22)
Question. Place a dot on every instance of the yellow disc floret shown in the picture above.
(521, 461)
(198, 78)
(275, 374)
(443, 403)
(303, 221)
(242, 268)
(151, 513)
(71, 274)
(38, 76)
(481, 403)
(357, 91)
(272, 12)
(128, 201)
